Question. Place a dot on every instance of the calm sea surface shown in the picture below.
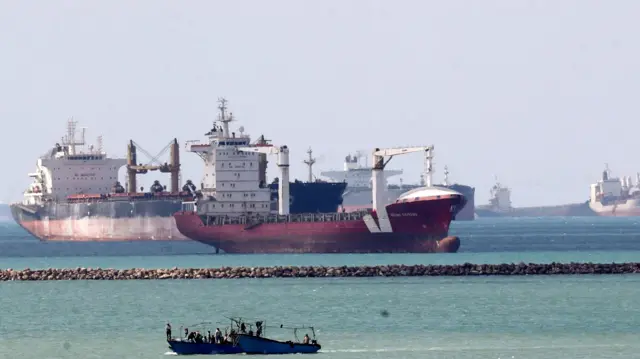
(510, 317)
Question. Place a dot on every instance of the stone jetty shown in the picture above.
(466, 269)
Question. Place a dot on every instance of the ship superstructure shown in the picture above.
(69, 169)
(233, 214)
(358, 174)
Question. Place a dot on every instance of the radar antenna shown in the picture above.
(70, 138)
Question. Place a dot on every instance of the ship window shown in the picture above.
(222, 206)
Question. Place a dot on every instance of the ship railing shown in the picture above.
(292, 218)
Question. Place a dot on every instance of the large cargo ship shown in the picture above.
(75, 195)
(358, 194)
(615, 196)
(233, 212)
(500, 206)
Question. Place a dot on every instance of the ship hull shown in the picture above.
(566, 210)
(627, 208)
(359, 199)
(101, 221)
(417, 227)
(143, 219)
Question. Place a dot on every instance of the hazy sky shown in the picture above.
(539, 93)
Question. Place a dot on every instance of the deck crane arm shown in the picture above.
(379, 154)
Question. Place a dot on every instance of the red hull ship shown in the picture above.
(232, 214)
(420, 225)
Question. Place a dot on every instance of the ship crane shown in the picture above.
(283, 164)
(377, 177)
(133, 168)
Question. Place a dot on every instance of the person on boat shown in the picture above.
(168, 330)
(243, 328)
(191, 337)
(186, 333)
(218, 336)
(209, 337)
(305, 340)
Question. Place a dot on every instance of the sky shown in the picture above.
(540, 94)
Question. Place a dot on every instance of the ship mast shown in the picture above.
(223, 116)
(446, 176)
(310, 162)
(70, 138)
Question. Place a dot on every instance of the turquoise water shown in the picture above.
(453, 317)
(525, 317)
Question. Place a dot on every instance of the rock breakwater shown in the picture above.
(466, 269)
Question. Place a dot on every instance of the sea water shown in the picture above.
(432, 317)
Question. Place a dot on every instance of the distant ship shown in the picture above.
(359, 196)
(233, 208)
(75, 195)
(500, 206)
(615, 196)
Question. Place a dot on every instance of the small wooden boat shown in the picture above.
(257, 343)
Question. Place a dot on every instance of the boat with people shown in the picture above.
(193, 342)
(240, 337)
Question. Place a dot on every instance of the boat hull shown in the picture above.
(257, 345)
(419, 226)
(189, 348)
(626, 208)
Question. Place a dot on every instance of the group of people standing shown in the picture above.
(197, 337)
